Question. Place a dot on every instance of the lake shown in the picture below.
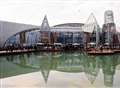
(59, 70)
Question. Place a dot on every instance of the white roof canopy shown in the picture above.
(91, 24)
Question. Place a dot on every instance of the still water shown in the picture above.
(59, 70)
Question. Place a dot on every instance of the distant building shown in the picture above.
(110, 36)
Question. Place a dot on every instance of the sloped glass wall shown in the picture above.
(13, 41)
(33, 37)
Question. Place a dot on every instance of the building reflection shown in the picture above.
(70, 62)
(108, 67)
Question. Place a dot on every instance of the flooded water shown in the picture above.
(59, 70)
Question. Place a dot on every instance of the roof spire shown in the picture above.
(45, 25)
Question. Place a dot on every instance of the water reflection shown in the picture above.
(72, 62)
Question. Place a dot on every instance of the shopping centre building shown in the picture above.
(81, 34)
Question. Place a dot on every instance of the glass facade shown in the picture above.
(61, 38)
(78, 37)
(89, 33)
(68, 37)
(93, 37)
(13, 41)
(32, 37)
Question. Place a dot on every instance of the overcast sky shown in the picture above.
(57, 11)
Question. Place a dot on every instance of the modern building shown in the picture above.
(69, 33)
(45, 31)
(110, 36)
(9, 29)
(88, 34)
(91, 32)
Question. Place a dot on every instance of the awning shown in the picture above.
(92, 43)
(39, 44)
(57, 43)
(76, 44)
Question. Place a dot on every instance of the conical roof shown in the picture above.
(45, 25)
(91, 24)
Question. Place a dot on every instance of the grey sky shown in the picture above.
(57, 11)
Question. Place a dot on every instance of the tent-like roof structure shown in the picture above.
(45, 25)
(91, 24)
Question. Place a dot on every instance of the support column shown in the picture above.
(22, 38)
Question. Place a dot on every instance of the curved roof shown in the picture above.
(8, 29)
(69, 25)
